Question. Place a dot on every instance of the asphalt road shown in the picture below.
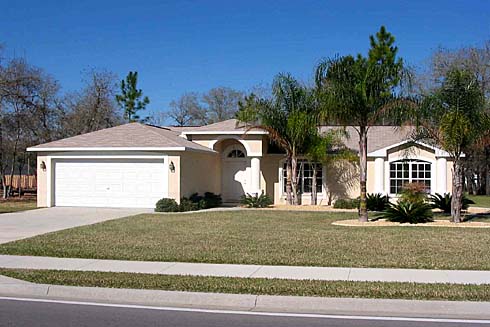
(33, 313)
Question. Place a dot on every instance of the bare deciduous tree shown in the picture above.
(187, 110)
(94, 107)
(221, 103)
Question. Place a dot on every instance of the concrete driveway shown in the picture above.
(19, 225)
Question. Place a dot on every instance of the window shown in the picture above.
(236, 154)
(305, 176)
(409, 171)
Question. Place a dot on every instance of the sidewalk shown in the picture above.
(251, 271)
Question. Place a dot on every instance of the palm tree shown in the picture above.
(289, 119)
(362, 92)
(326, 148)
(453, 117)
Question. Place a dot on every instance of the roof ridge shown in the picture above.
(150, 128)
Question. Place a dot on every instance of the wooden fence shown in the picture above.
(26, 182)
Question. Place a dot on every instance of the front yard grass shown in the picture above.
(256, 286)
(482, 201)
(14, 205)
(264, 237)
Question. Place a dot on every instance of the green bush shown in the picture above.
(167, 205)
(194, 202)
(346, 204)
(188, 205)
(443, 202)
(209, 200)
(377, 201)
(408, 212)
(212, 200)
(256, 201)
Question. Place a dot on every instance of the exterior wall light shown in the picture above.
(43, 165)
(172, 167)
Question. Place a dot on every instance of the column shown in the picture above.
(441, 180)
(255, 170)
(379, 175)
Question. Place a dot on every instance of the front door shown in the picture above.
(233, 178)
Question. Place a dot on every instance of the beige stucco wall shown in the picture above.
(174, 178)
(42, 180)
(370, 176)
(199, 172)
(270, 176)
(254, 143)
(412, 152)
(449, 177)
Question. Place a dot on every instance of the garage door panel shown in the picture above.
(105, 183)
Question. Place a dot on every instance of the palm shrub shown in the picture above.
(256, 201)
(377, 201)
(408, 212)
(443, 202)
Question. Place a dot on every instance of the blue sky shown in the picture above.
(180, 46)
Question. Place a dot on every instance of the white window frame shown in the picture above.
(410, 161)
(320, 195)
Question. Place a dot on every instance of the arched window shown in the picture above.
(236, 154)
(409, 171)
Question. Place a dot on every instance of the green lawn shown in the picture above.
(265, 237)
(14, 205)
(482, 201)
(256, 286)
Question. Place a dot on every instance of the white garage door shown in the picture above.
(110, 183)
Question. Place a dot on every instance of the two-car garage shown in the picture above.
(135, 183)
(126, 166)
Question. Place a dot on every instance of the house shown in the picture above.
(134, 165)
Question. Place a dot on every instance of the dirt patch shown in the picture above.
(385, 223)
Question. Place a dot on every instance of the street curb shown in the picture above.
(254, 303)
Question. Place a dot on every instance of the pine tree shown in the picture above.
(130, 98)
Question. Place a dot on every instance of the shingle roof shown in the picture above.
(230, 125)
(132, 135)
(378, 136)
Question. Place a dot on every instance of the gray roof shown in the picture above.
(230, 125)
(379, 137)
(136, 135)
(132, 135)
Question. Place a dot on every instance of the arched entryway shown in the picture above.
(233, 172)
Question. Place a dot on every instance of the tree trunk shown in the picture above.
(313, 184)
(289, 197)
(487, 180)
(294, 179)
(469, 182)
(456, 202)
(363, 214)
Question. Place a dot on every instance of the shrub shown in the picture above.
(188, 205)
(408, 212)
(346, 204)
(443, 202)
(209, 200)
(212, 200)
(256, 201)
(377, 201)
(414, 192)
(167, 205)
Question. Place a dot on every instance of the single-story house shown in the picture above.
(134, 165)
